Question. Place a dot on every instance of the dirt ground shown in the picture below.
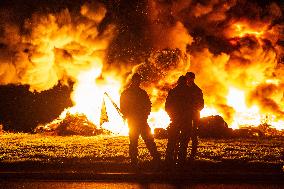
(74, 157)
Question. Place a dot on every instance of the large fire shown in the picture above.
(89, 95)
(237, 59)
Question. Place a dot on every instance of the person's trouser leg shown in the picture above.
(184, 138)
(194, 144)
(194, 135)
(172, 143)
(150, 143)
(133, 145)
(183, 144)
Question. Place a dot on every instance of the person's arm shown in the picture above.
(169, 104)
(123, 103)
(148, 104)
(200, 101)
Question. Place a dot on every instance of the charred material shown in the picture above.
(72, 124)
(210, 127)
(263, 130)
(214, 126)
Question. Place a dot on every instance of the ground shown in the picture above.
(36, 147)
(82, 155)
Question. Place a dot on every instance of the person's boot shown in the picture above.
(134, 164)
(193, 154)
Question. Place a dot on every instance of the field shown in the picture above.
(22, 147)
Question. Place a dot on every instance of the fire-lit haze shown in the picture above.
(234, 47)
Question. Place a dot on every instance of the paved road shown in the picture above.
(123, 172)
(30, 184)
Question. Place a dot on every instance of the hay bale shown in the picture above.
(214, 127)
(72, 124)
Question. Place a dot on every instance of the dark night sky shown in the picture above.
(22, 110)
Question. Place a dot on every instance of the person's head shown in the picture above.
(190, 76)
(181, 80)
(136, 79)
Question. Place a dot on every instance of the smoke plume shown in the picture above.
(228, 44)
(53, 47)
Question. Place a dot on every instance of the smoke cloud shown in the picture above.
(53, 47)
(233, 43)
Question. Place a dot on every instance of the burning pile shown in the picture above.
(262, 130)
(234, 47)
(72, 124)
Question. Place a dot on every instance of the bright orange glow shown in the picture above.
(242, 30)
(159, 119)
(77, 51)
(88, 97)
(247, 116)
(206, 111)
(244, 115)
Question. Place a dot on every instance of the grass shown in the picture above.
(20, 147)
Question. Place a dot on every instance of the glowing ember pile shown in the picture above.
(72, 124)
(236, 57)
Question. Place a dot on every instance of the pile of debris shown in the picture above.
(72, 124)
(263, 130)
(214, 127)
(210, 127)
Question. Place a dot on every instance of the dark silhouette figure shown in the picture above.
(197, 106)
(135, 105)
(178, 106)
(183, 105)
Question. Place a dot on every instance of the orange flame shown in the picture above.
(242, 29)
(75, 50)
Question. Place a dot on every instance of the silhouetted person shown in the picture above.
(178, 106)
(135, 105)
(196, 107)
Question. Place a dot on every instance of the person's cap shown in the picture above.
(181, 80)
(190, 75)
(136, 77)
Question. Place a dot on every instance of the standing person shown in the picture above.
(135, 105)
(178, 106)
(197, 106)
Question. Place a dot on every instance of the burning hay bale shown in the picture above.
(262, 130)
(72, 124)
(210, 127)
(214, 126)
